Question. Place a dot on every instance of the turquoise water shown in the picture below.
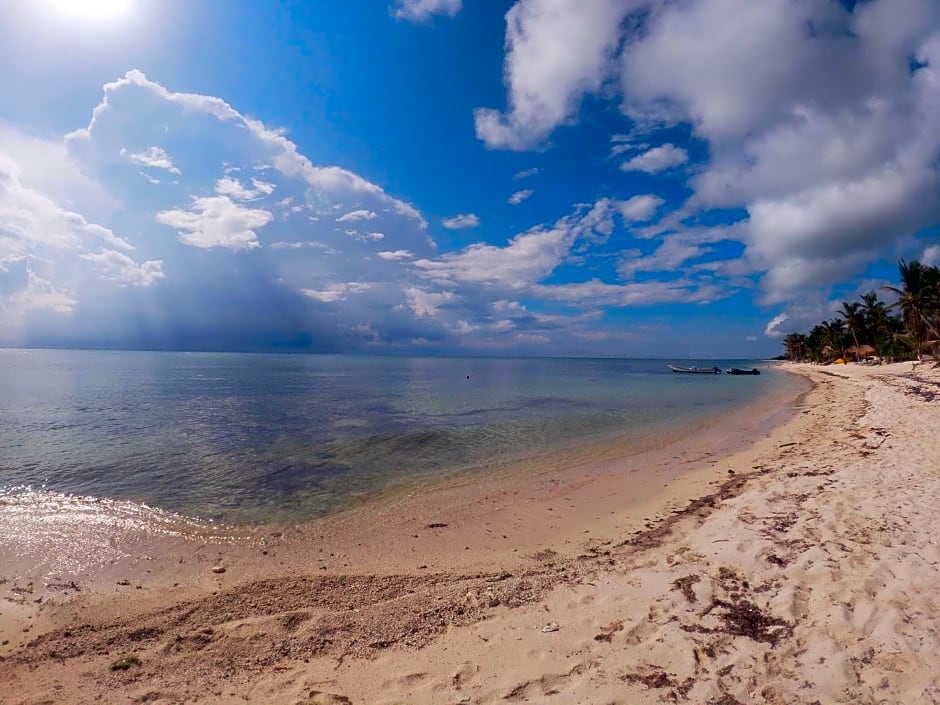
(245, 438)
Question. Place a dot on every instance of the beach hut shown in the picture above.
(862, 352)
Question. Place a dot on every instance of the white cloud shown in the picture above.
(463, 220)
(598, 293)
(657, 159)
(772, 329)
(283, 153)
(530, 338)
(639, 208)
(39, 295)
(353, 216)
(233, 188)
(819, 119)
(526, 173)
(826, 137)
(302, 244)
(427, 303)
(154, 157)
(931, 255)
(519, 196)
(557, 50)
(396, 255)
(365, 237)
(507, 306)
(30, 221)
(423, 10)
(122, 268)
(217, 221)
(336, 292)
(526, 259)
(672, 253)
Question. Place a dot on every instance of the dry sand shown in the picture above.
(803, 570)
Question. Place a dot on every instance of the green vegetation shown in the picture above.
(907, 329)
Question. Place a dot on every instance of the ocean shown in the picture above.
(249, 438)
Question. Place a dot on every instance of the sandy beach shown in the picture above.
(794, 560)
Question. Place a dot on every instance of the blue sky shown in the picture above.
(549, 177)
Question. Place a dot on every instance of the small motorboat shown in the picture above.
(695, 370)
(739, 371)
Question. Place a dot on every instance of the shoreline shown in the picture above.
(492, 521)
(735, 596)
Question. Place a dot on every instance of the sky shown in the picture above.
(692, 178)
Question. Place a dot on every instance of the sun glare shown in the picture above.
(92, 9)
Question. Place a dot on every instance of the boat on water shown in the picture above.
(695, 370)
(739, 371)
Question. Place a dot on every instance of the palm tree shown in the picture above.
(918, 298)
(854, 320)
(834, 335)
(880, 325)
(795, 346)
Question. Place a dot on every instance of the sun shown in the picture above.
(92, 9)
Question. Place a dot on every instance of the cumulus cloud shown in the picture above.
(556, 51)
(819, 118)
(527, 257)
(525, 173)
(657, 159)
(247, 185)
(519, 196)
(639, 208)
(463, 220)
(217, 221)
(122, 268)
(154, 157)
(395, 255)
(30, 221)
(365, 237)
(37, 295)
(423, 10)
(336, 292)
(227, 186)
(356, 215)
(279, 151)
(426, 303)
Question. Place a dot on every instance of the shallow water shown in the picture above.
(249, 438)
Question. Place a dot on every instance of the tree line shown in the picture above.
(904, 330)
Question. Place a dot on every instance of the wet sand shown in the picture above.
(799, 569)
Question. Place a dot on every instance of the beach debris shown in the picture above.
(550, 627)
(743, 618)
(437, 525)
(320, 698)
(685, 586)
(607, 633)
(123, 664)
(124, 582)
(218, 569)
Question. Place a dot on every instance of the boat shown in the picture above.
(739, 371)
(695, 370)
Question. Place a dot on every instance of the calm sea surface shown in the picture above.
(241, 437)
